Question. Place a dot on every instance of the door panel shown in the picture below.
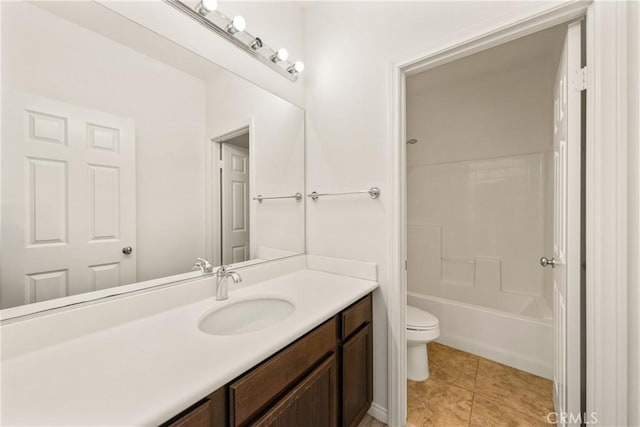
(235, 203)
(68, 199)
(566, 236)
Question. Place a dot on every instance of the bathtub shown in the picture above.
(516, 340)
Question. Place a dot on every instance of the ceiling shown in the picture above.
(538, 46)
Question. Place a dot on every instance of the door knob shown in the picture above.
(127, 250)
(546, 262)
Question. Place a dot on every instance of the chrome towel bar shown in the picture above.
(260, 197)
(374, 193)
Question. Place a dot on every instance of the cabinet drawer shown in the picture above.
(355, 316)
(255, 390)
(200, 416)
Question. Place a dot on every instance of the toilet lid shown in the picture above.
(420, 319)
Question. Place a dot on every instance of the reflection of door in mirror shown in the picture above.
(235, 199)
(115, 147)
(68, 199)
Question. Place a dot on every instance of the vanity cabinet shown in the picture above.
(323, 379)
(311, 403)
(357, 364)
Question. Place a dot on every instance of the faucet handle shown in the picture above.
(222, 270)
(203, 265)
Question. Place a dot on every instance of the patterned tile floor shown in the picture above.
(468, 390)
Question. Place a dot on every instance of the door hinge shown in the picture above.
(406, 265)
(579, 79)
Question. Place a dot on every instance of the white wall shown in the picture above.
(350, 47)
(634, 213)
(279, 24)
(477, 197)
(48, 56)
(277, 158)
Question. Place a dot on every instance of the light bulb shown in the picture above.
(296, 68)
(280, 55)
(206, 6)
(238, 24)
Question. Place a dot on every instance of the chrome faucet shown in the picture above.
(203, 265)
(221, 284)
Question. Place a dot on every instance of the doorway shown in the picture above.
(234, 195)
(229, 213)
(493, 186)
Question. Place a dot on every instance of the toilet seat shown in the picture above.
(420, 320)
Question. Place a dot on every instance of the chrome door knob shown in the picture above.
(547, 262)
(127, 250)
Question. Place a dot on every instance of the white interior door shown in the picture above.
(68, 199)
(566, 230)
(235, 204)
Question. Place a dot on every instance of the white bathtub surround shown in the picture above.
(144, 353)
(476, 230)
(514, 340)
(479, 179)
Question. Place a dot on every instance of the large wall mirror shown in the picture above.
(125, 157)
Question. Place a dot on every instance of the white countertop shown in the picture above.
(145, 371)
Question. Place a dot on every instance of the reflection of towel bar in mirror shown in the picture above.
(260, 197)
(374, 193)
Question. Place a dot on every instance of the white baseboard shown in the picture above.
(498, 355)
(378, 412)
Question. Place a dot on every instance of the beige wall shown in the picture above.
(634, 212)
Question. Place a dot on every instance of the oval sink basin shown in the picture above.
(246, 316)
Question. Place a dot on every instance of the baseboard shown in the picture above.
(378, 412)
(497, 355)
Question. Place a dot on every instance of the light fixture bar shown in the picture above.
(263, 53)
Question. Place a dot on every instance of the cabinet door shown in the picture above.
(357, 377)
(200, 416)
(312, 403)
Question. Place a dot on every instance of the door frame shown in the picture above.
(606, 198)
(212, 188)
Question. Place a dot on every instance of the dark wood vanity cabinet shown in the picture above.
(357, 387)
(323, 379)
(313, 402)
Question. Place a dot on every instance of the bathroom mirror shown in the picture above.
(126, 157)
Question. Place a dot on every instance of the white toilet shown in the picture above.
(422, 327)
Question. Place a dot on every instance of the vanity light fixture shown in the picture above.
(296, 68)
(235, 31)
(206, 6)
(237, 25)
(280, 55)
(256, 43)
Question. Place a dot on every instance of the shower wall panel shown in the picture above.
(476, 230)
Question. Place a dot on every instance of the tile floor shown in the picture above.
(369, 421)
(467, 390)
